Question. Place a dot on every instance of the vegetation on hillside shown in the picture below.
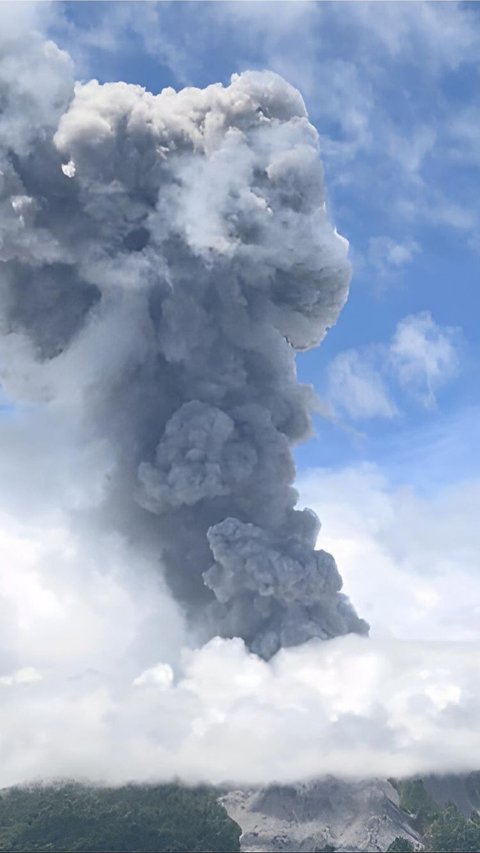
(401, 845)
(451, 832)
(160, 818)
(444, 830)
(131, 819)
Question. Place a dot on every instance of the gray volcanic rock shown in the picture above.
(351, 816)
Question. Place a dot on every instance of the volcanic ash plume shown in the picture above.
(163, 257)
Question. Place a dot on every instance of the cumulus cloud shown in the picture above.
(75, 599)
(99, 679)
(408, 555)
(160, 675)
(349, 707)
(421, 357)
(26, 675)
(357, 387)
(424, 356)
(388, 256)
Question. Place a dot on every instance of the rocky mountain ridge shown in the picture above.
(365, 815)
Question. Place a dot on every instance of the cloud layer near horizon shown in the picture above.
(100, 680)
(350, 707)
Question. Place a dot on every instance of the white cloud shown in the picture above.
(409, 561)
(117, 700)
(463, 136)
(388, 256)
(444, 34)
(25, 675)
(349, 707)
(79, 598)
(409, 150)
(356, 386)
(160, 675)
(424, 356)
(421, 357)
(405, 701)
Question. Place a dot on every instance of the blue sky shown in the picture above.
(391, 89)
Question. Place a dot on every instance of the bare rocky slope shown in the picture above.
(350, 816)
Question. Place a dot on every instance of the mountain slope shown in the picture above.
(353, 816)
(130, 819)
(462, 791)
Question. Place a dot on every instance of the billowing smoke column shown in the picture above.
(163, 257)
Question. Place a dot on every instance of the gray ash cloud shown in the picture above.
(163, 258)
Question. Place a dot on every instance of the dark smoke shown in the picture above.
(163, 257)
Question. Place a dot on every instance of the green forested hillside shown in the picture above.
(152, 819)
(131, 819)
(444, 828)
